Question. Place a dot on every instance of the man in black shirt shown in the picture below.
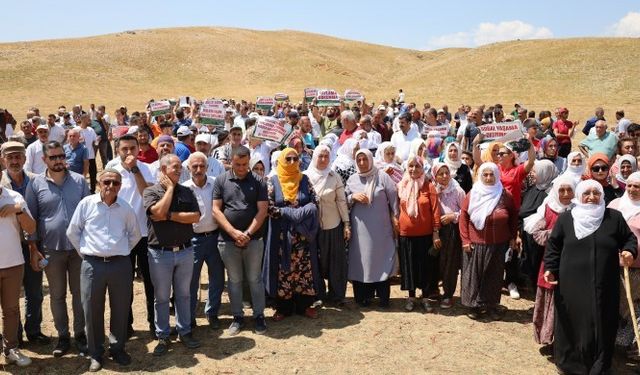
(171, 209)
(240, 206)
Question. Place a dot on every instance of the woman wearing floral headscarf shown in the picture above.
(373, 198)
(549, 151)
(419, 224)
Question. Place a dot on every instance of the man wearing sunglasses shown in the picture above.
(104, 229)
(52, 198)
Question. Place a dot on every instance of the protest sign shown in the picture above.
(212, 112)
(281, 97)
(265, 103)
(118, 131)
(443, 130)
(327, 98)
(270, 129)
(310, 94)
(161, 107)
(352, 96)
(497, 130)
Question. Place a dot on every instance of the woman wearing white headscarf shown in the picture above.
(576, 165)
(629, 207)
(458, 170)
(373, 198)
(387, 161)
(334, 224)
(450, 196)
(543, 173)
(345, 165)
(582, 259)
(539, 226)
(488, 225)
(625, 166)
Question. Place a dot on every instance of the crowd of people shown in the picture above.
(359, 194)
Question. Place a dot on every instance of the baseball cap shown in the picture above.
(132, 130)
(381, 108)
(203, 138)
(43, 127)
(184, 130)
(11, 147)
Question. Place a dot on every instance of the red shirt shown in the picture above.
(148, 156)
(512, 180)
(347, 134)
(499, 227)
(561, 129)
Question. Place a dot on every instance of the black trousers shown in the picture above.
(93, 172)
(297, 304)
(140, 259)
(365, 292)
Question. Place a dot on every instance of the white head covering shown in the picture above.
(345, 158)
(380, 152)
(318, 177)
(552, 201)
(587, 217)
(545, 171)
(371, 175)
(453, 165)
(483, 198)
(330, 140)
(628, 207)
(274, 163)
(575, 172)
(634, 166)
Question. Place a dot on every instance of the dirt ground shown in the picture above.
(350, 340)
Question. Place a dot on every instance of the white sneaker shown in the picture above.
(18, 358)
(513, 291)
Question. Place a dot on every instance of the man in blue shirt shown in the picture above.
(599, 115)
(182, 149)
(76, 153)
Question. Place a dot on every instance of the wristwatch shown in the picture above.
(135, 169)
(22, 210)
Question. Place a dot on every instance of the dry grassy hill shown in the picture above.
(131, 67)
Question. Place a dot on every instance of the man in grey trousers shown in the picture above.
(104, 229)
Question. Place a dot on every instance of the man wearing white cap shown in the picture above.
(35, 164)
(182, 149)
(214, 166)
(89, 138)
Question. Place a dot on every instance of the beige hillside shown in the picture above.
(131, 67)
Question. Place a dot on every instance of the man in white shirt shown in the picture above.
(623, 123)
(136, 176)
(90, 140)
(214, 166)
(241, 118)
(104, 229)
(56, 132)
(373, 137)
(205, 240)
(35, 162)
(166, 146)
(14, 219)
(401, 140)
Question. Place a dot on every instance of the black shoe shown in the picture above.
(152, 331)
(162, 347)
(173, 331)
(189, 341)
(120, 357)
(62, 347)
(39, 339)
(495, 314)
(214, 322)
(81, 344)
(261, 325)
(474, 313)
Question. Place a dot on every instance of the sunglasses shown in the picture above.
(503, 153)
(599, 169)
(291, 159)
(57, 157)
(111, 183)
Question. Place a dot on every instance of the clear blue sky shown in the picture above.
(407, 24)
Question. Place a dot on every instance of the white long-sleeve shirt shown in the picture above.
(34, 163)
(100, 230)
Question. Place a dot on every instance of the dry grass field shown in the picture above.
(130, 68)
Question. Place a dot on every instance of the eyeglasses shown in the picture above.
(57, 157)
(503, 153)
(111, 183)
(599, 168)
(291, 159)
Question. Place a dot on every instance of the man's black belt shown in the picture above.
(105, 259)
(205, 234)
(174, 249)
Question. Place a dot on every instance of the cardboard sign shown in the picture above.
(327, 98)
(310, 94)
(212, 112)
(281, 97)
(443, 130)
(161, 107)
(270, 129)
(265, 102)
(498, 130)
(352, 96)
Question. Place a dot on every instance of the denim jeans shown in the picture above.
(250, 258)
(205, 250)
(169, 269)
